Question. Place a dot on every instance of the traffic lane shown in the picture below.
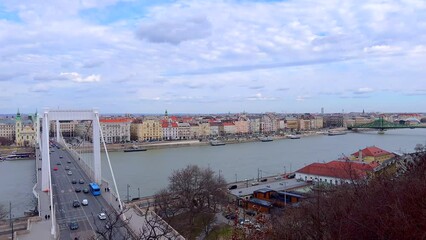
(101, 205)
(65, 195)
(96, 205)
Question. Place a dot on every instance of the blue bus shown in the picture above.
(94, 188)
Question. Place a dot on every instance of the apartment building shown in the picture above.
(116, 130)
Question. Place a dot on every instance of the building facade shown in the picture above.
(7, 129)
(26, 131)
(116, 130)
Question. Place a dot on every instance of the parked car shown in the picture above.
(254, 183)
(264, 180)
(69, 173)
(230, 216)
(291, 175)
(61, 157)
(68, 161)
(84, 202)
(85, 190)
(251, 213)
(233, 187)
(67, 168)
(73, 181)
(58, 163)
(55, 168)
(77, 190)
(81, 181)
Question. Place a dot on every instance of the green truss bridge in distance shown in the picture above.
(382, 125)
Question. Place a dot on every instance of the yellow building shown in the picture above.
(149, 129)
(25, 132)
(372, 154)
(204, 129)
(292, 123)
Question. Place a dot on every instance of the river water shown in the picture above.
(149, 170)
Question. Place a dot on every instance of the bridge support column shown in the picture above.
(96, 149)
(58, 131)
(45, 169)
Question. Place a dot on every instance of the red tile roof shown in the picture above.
(338, 169)
(115, 120)
(371, 152)
(228, 124)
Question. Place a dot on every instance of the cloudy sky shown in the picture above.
(211, 56)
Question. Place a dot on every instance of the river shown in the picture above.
(149, 170)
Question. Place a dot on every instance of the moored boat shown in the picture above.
(266, 139)
(336, 133)
(134, 149)
(293, 136)
(216, 143)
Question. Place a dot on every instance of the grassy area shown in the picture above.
(220, 232)
(190, 231)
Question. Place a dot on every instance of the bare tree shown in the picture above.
(193, 191)
(384, 207)
(3, 212)
(114, 226)
(155, 227)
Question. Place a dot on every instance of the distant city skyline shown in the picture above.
(211, 56)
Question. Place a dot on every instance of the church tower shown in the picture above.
(18, 128)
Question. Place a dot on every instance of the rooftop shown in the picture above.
(338, 169)
(372, 151)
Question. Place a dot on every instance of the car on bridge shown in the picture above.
(73, 225)
(76, 203)
(102, 216)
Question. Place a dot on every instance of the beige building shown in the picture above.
(318, 122)
(149, 129)
(7, 129)
(194, 130)
(241, 126)
(184, 131)
(254, 125)
(292, 123)
(204, 129)
(305, 124)
(26, 131)
(68, 128)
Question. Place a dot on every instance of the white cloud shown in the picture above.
(78, 78)
(363, 90)
(210, 50)
(260, 97)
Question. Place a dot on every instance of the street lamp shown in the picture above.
(128, 196)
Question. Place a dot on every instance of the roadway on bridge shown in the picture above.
(64, 194)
